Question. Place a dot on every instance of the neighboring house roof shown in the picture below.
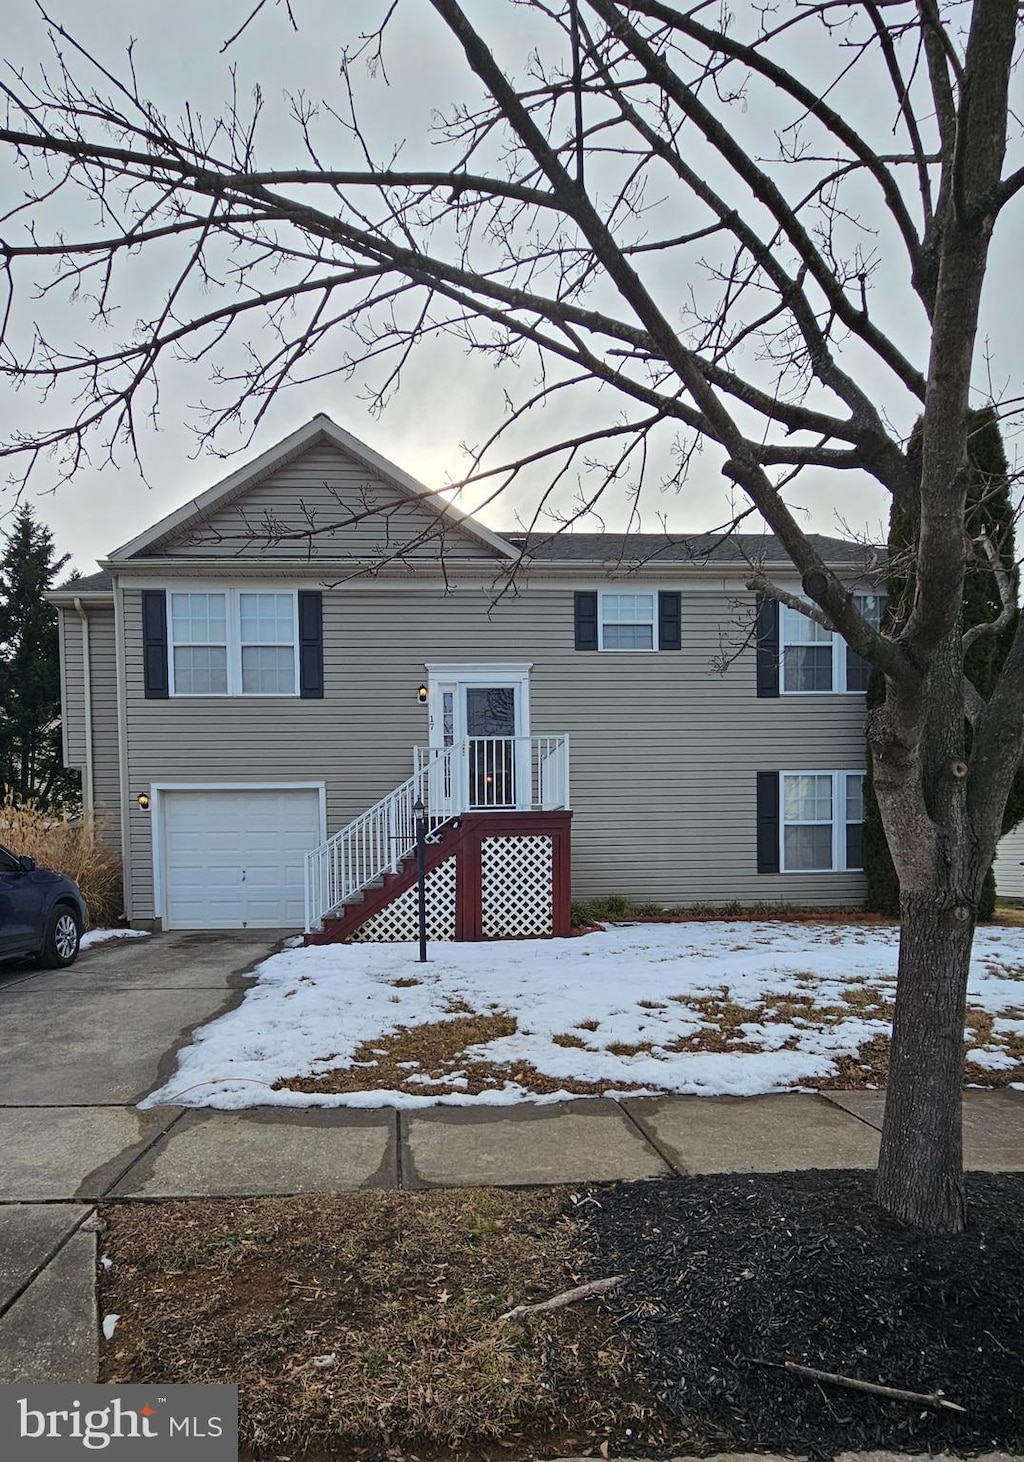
(194, 515)
(640, 549)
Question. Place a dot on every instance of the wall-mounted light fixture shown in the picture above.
(422, 695)
(143, 801)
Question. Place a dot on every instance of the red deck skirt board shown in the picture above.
(463, 840)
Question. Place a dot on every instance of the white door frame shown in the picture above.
(158, 828)
(459, 675)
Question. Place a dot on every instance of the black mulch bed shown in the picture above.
(723, 1272)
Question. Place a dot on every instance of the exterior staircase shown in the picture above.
(483, 788)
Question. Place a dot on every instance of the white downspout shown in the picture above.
(87, 781)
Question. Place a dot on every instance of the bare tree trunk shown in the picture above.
(920, 1167)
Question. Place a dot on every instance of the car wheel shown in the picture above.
(63, 937)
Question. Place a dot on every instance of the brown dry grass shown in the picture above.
(365, 1322)
(77, 850)
(438, 1051)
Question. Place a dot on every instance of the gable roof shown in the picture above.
(644, 550)
(321, 428)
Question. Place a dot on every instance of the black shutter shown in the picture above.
(311, 645)
(586, 620)
(767, 822)
(670, 633)
(767, 646)
(154, 643)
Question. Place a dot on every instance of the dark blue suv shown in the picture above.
(42, 913)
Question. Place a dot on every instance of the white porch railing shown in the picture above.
(497, 774)
(479, 774)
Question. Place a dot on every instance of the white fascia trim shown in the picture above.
(321, 425)
(65, 598)
(478, 670)
(157, 789)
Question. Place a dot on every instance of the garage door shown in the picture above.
(234, 859)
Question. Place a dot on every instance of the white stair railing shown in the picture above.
(478, 774)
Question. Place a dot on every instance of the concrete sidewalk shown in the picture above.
(57, 1162)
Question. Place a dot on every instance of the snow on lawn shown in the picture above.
(714, 1009)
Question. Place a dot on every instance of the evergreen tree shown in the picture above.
(989, 511)
(31, 766)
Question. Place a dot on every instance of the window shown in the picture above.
(822, 821)
(267, 624)
(627, 622)
(232, 642)
(816, 661)
(199, 637)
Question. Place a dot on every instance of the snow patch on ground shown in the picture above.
(815, 992)
(100, 936)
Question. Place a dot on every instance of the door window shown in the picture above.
(491, 727)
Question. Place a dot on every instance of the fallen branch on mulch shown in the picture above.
(567, 1297)
(852, 1383)
(804, 1265)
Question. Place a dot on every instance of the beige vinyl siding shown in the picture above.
(352, 511)
(105, 764)
(664, 751)
(72, 689)
(1009, 865)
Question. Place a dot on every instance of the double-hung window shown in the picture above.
(232, 642)
(199, 644)
(822, 821)
(815, 661)
(267, 637)
(627, 622)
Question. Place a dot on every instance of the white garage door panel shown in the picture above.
(235, 860)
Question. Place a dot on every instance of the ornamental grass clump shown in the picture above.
(80, 848)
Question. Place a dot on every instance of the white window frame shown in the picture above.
(233, 622)
(839, 822)
(840, 651)
(605, 594)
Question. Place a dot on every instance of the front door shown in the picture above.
(490, 719)
(487, 710)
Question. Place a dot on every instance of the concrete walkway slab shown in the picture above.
(94, 1047)
(566, 1142)
(212, 1154)
(50, 1333)
(30, 1235)
(771, 1134)
(993, 1125)
(71, 1152)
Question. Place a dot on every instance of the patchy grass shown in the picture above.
(436, 1059)
(367, 1324)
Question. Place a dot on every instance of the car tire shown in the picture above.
(63, 938)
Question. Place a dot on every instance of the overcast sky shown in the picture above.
(446, 398)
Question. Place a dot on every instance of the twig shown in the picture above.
(851, 1383)
(567, 1297)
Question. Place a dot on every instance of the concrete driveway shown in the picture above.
(107, 1029)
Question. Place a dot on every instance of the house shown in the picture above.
(260, 688)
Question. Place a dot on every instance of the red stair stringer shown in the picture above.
(442, 844)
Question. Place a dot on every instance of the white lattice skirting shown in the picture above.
(516, 886)
(398, 922)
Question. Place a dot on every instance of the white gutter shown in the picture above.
(87, 781)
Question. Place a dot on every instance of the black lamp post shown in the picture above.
(421, 875)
